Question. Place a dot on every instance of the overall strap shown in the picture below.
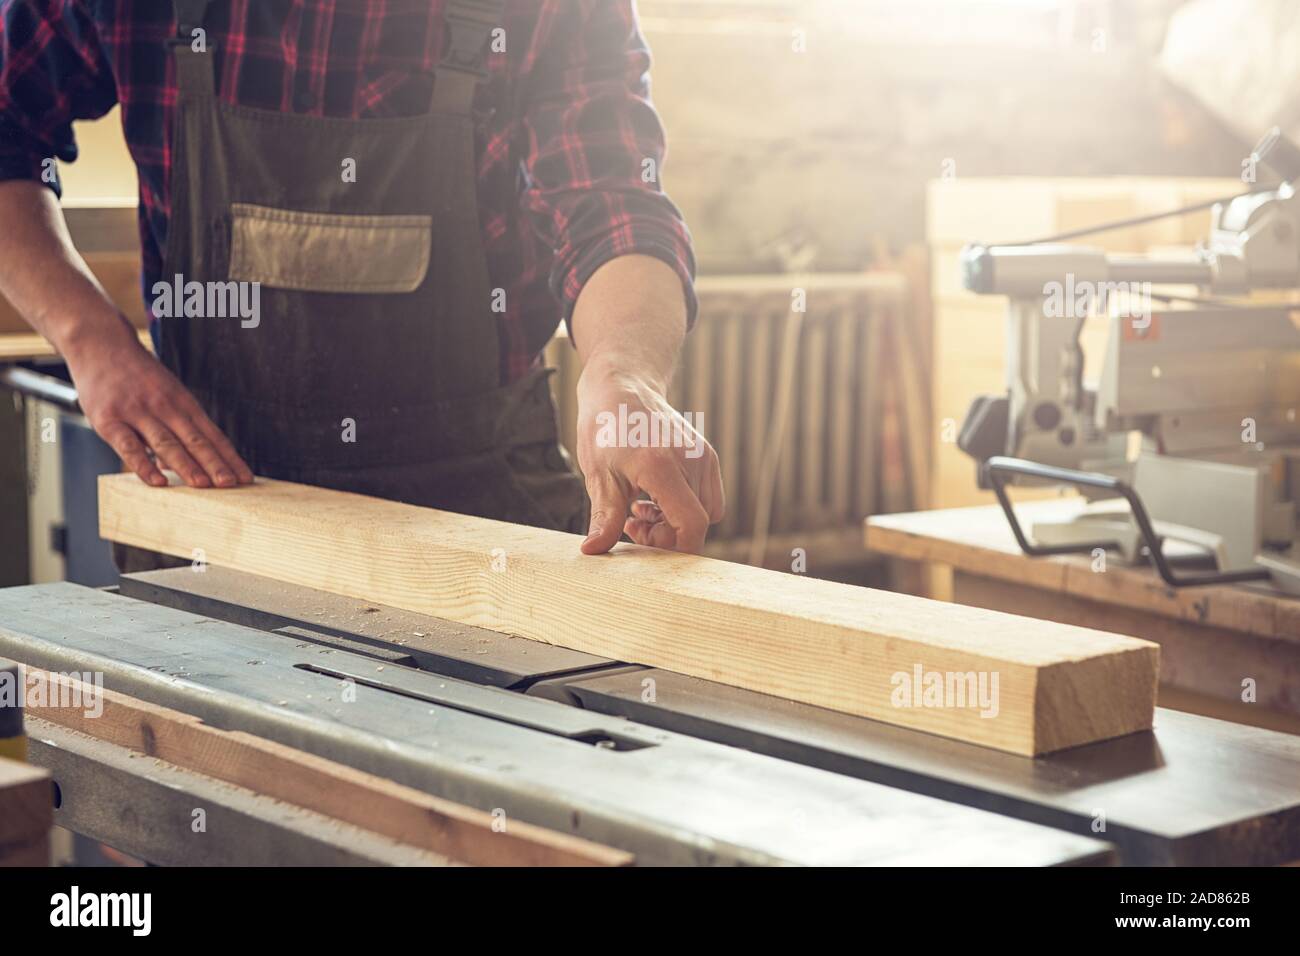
(460, 268)
(456, 77)
(193, 69)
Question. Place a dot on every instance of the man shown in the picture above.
(413, 193)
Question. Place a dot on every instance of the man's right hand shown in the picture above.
(138, 407)
(132, 401)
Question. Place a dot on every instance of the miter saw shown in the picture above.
(1188, 445)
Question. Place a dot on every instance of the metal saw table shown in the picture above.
(676, 770)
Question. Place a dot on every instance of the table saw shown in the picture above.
(673, 769)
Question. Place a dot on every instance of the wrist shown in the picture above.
(83, 336)
(625, 372)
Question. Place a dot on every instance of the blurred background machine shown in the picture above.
(1190, 437)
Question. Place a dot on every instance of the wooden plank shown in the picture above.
(144, 808)
(36, 853)
(323, 786)
(26, 814)
(833, 645)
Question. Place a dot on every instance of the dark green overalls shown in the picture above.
(374, 365)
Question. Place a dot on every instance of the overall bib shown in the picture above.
(374, 363)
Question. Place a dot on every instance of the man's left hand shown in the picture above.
(631, 441)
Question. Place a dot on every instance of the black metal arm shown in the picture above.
(999, 469)
(34, 384)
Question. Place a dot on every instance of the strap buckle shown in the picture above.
(190, 15)
(469, 28)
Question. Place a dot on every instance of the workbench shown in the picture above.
(29, 346)
(668, 768)
(1211, 638)
(25, 814)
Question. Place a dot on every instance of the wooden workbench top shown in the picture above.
(25, 346)
(979, 541)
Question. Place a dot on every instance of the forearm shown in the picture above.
(44, 277)
(630, 319)
(132, 402)
(628, 324)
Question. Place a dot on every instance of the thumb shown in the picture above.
(609, 503)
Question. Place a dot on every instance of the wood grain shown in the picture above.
(26, 814)
(402, 813)
(822, 643)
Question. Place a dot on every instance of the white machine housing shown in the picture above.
(1197, 406)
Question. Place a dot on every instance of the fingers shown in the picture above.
(646, 517)
(232, 459)
(193, 447)
(646, 510)
(201, 449)
(148, 417)
(171, 452)
(683, 513)
(653, 532)
(688, 500)
(609, 501)
(123, 440)
(712, 495)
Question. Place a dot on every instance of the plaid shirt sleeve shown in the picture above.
(52, 71)
(595, 151)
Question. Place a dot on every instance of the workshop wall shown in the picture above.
(780, 156)
(104, 170)
(807, 158)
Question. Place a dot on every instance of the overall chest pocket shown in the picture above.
(328, 252)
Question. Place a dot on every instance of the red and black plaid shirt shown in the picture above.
(567, 133)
